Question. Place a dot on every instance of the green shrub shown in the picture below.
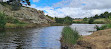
(91, 20)
(69, 36)
(106, 26)
(2, 20)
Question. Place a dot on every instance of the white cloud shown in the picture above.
(73, 12)
(86, 4)
(77, 8)
(35, 0)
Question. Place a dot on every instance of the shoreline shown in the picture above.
(26, 26)
(98, 40)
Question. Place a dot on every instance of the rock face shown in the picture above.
(29, 15)
(98, 40)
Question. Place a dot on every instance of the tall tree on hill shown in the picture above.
(21, 1)
(16, 4)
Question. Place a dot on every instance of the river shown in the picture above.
(39, 38)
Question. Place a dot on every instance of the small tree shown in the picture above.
(91, 20)
(85, 19)
(17, 4)
(2, 20)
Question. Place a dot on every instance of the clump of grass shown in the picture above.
(69, 36)
(105, 26)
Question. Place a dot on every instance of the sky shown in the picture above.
(72, 8)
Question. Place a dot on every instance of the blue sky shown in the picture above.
(72, 8)
(42, 3)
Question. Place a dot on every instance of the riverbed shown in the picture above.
(39, 38)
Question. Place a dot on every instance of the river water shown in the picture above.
(39, 38)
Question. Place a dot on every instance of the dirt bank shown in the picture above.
(97, 40)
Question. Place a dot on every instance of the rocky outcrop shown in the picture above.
(98, 40)
(29, 15)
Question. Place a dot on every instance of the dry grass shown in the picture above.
(10, 25)
(98, 40)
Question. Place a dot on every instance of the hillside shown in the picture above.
(98, 40)
(26, 14)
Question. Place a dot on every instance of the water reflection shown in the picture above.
(34, 38)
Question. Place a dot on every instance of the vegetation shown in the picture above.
(103, 15)
(10, 22)
(97, 19)
(16, 4)
(20, 1)
(85, 19)
(67, 20)
(2, 20)
(91, 20)
(69, 36)
(107, 25)
(100, 18)
(50, 17)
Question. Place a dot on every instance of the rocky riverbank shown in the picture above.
(30, 16)
(98, 40)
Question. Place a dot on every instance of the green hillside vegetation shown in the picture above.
(10, 22)
(101, 19)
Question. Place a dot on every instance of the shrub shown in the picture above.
(91, 20)
(69, 36)
(2, 20)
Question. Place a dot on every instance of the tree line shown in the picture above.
(103, 15)
(17, 4)
(65, 20)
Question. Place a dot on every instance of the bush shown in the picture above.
(16, 5)
(2, 20)
(69, 36)
(106, 26)
(91, 20)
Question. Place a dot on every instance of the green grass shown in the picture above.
(9, 25)
(11, 22)
(106, 26)
(99, 21)
(69, 36)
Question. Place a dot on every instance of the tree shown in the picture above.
(91, 20)
(21, 1)
(96, 16)
(50, 17)
(16, 4)
(85, 19)
(68, 20)
(2, 20)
